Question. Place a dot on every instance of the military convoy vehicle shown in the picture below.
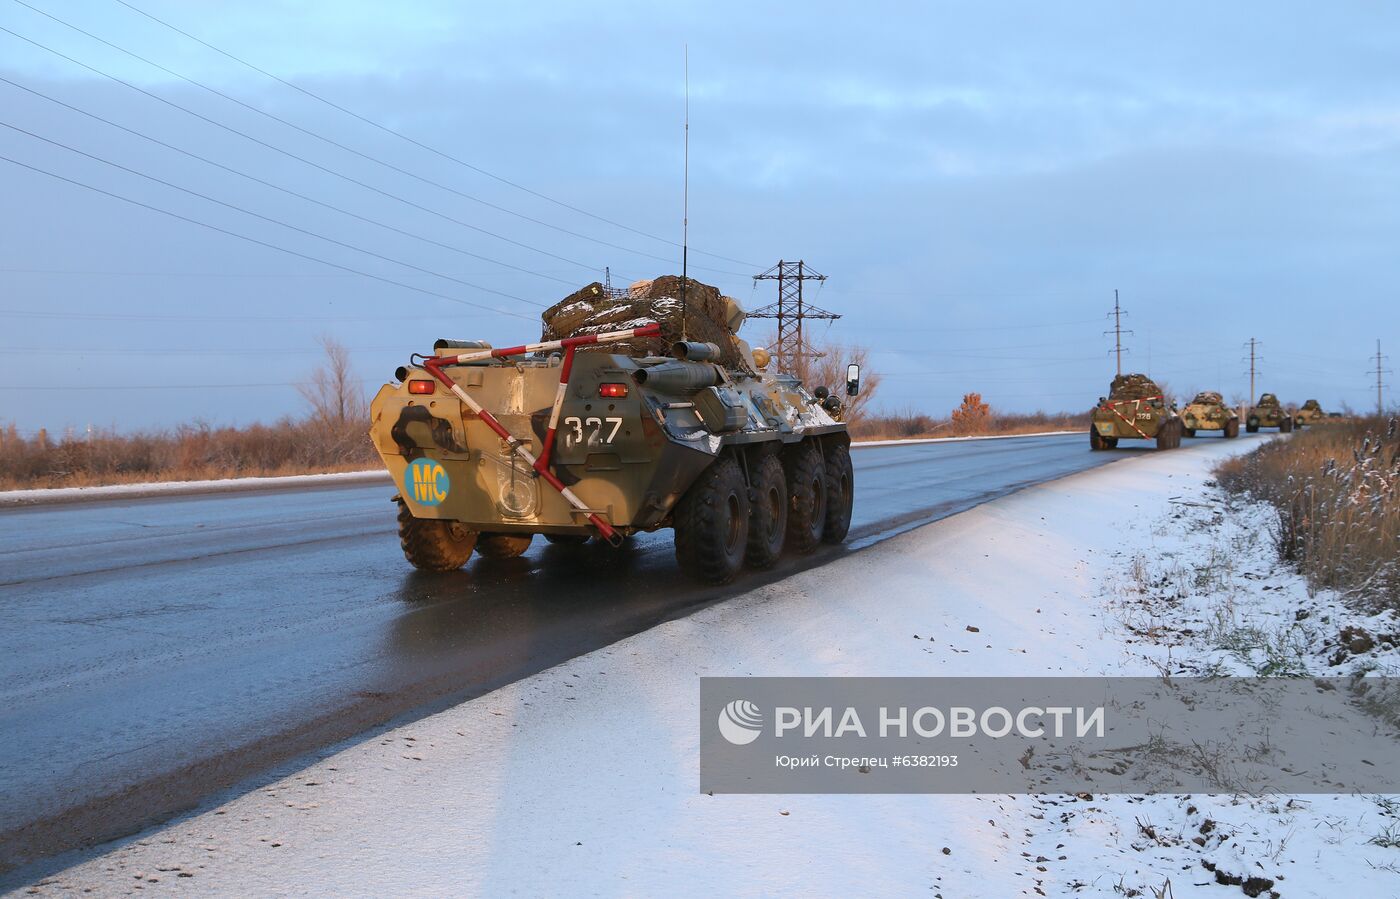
(639, 410)
(1309, 414)
(1268, 413)
(1208, 412)
(1134, 409)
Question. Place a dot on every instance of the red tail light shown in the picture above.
(421, 387)
(613, 390)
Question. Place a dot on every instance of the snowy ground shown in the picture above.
(583, 779)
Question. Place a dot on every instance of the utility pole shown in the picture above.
(1380, 379)
(1254, 361)
(1118, 332)
(789, 350)
(1251, 368)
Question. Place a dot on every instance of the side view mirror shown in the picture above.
(852, 379)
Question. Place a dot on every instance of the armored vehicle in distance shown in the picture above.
(1134, 409)
(1268, 413)
(1310, 413)
(1208, 412)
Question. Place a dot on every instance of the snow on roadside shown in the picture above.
(583, 779)
(53, 495)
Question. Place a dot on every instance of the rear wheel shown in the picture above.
(768, 513)
(712, 524)
(1232, 428)
(502, 546)
(840, 493)
(432, 544)
(807, 491)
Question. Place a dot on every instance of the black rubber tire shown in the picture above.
(568, 539)
(712, 524)
(1232, 429)
(502, 546)
(840, 493)
(1165, 433)
(1189, 432)
(806, 478)
(432, 544)
(1286, 426)
(1096, 440)
(1111, 442)
(768, 513)
(1252, 429)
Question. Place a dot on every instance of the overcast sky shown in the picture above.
(975, 180)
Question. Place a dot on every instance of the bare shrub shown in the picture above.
(1336, 490)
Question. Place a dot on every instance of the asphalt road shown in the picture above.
(156, 652)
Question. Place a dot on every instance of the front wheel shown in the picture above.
(1166, 434)
(1232, 428)
(768, 513)
(1285, 426)
(1096, 440)
(1190, 432)
(840, 493)
(712, 524)
(502, 546)
(433, 544)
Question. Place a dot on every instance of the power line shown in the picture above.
(345, 148)
(277, 187)
(263, 243)
(258, 215)
(290, 155)
(417, 143)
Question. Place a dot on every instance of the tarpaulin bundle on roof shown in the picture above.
(709, 317)
(1133, 387)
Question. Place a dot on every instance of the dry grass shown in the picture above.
(1336, 489)
(896, 426)
(198, 452)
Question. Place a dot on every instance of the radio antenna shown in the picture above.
(685, 198)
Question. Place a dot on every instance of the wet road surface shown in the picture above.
(155, 652)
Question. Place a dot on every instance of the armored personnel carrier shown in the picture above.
(1208, 412)
(616, 422)
(1134, 409)
(1268, 413)
(1309, 414)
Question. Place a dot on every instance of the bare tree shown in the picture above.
(333, 391)
(829, 370)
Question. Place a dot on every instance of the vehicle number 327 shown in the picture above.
(590, 431)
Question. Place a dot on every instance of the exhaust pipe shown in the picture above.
(442, 343)
(678, 377)
(694, 351)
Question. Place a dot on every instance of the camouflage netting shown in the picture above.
(1208, 397)
(1313, 406)
(1267, 399)
(591, 310)
(1133, 387)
